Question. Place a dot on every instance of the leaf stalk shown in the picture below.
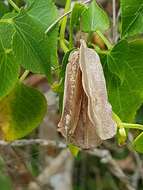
(14, 5)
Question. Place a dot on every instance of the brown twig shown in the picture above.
(27, 142)
(104, 155)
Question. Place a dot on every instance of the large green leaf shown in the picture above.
(127, 97)
(117, 59)
(9, 68)
(21, 111)
(46, 13)
(94, 18)
(132, 17)
(30, 45)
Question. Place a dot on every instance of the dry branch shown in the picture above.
(103, 154)
(27, 142)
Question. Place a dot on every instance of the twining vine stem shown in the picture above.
(63, 27)
(14, 5)
(61, 17)
(24, 75)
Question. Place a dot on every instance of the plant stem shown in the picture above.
(23, 77)
(61, 17)
(14, 5)
(63, 46)
(57, 21)
(98, 50)
(6, 20)
(132, 126)
(106, 41)
(120, 124)
(117, 120)
(63, 27)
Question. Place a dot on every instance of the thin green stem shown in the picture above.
(117, 120)
(6, 20)
(132, 126)
(106, 41)
(14, 5)
(121, 124)
(23, 77)
(63, 45)
(61, 17)
(57, 21)
(97, 49)
(63, 27)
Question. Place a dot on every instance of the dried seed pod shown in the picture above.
(85, 135)
(93, 81)
(72, 97)
(87, 115)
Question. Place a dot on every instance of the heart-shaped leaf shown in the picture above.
(20, 112)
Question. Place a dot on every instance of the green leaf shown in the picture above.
(94, 18)
(132, 17)
(46, 13)
(9, 68)
(127, 97)
(44, 10)
(30, 45)
(138, 143)
(117, 58)
(21, 111)
(75, 20)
